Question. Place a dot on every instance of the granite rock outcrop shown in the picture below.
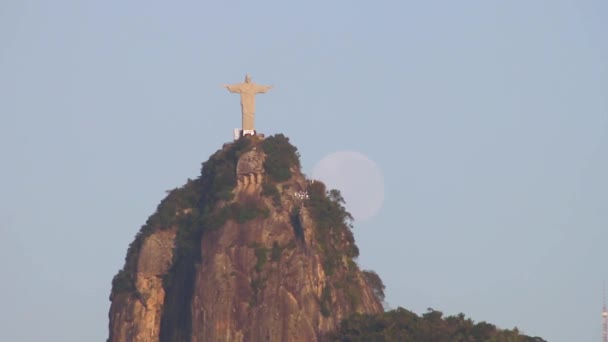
(223, 260)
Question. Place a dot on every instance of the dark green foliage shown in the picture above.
(334, 236)
(179, 208)
(374, 281)
(261, 255)
(349, 287)
(253, 301)
(250, 211)
(189, 209)
(335, 240)
(326, 301)
(218, 174)
(336, 196)
(122, 282)
(352, 290)
(405, 326)
(192, 209)
(237, 211)
(328, 207)
(240, 212)
(281, 155)
(330, 262)
(213, 220)
(271, 191)
(257, 284)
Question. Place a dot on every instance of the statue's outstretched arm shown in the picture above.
(263, 89)
(232, 88)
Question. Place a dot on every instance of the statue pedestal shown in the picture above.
(237, 133)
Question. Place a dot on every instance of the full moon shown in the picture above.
(358, 178)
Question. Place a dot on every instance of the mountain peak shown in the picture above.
(250, 250)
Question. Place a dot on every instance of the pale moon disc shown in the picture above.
(358, 178)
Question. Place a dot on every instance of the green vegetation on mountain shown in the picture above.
(205, 204)
(333, 226)
(179, 208)
(373, 280)
(281, 157)
(198, 206)
(405, 326)
(336, 243)
(270, 190)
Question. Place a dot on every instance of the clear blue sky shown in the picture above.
(489, 120)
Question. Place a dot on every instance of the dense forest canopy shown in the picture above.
(405, 326)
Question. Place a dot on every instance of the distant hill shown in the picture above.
(251, 250)
(405, 326)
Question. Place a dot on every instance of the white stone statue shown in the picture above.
(248, 90)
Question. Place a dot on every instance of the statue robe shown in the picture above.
(248, 90)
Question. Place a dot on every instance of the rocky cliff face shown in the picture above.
(136, 316)
(250, 251)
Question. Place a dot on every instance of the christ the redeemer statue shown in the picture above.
(248, 90)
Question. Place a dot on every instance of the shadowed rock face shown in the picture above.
(274, 301)
(136, 317)
(250, 171)
(259, 280)
(251, 162)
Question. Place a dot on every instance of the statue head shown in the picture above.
(247, 78)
